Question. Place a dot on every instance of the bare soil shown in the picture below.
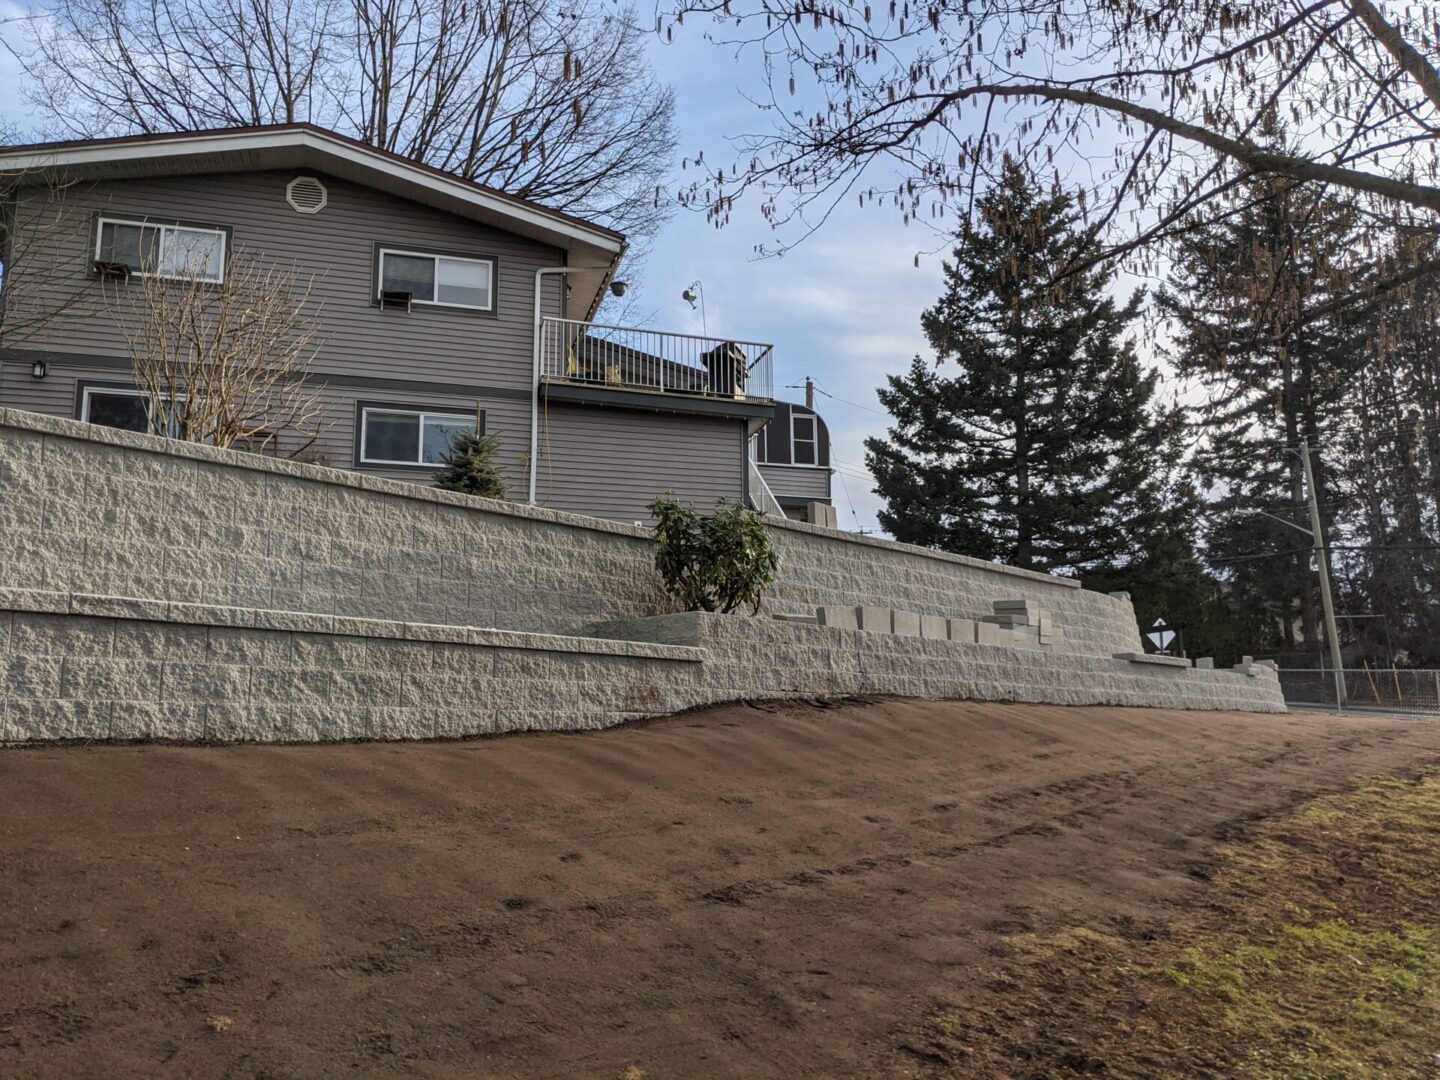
(740, 892)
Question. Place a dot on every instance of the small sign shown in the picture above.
(1161, 634)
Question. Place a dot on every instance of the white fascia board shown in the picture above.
(159, 148)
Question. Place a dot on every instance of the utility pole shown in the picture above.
(1331, 631)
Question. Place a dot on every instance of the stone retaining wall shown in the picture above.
(90, 667)
(93, 510)
(151, 589)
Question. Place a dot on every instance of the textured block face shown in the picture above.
(273, 686)
(841, 618)
(905, 623)
(875, 619)
(1205, 663)
(934, 626)
(137, 521)
(155, 589)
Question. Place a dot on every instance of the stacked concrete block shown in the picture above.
(822, 514)
(934, 626)
(1205, 663)
(905, 623)
(990, 633)
(1017, 612)
(1154, 658)
(840, 618)
(876, 620)
(961, 630)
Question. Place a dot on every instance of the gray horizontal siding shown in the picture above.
(611, 463)
(54, 394)
(797, 482)
(506, 417)
(336, 246)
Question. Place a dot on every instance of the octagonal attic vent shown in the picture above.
(306, 194)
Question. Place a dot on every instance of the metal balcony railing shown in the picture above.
(761, 497)
(628, 358)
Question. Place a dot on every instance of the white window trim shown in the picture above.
(422, 416)
(124, 391)
(814, 440)
(224, 236)
(486, 261)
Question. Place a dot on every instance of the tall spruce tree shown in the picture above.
(1244, 293)
(1045, 449)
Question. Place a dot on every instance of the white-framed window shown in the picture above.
(170, 251)
(126, 409)
(804, 443)
(392, 435)
(438, 280)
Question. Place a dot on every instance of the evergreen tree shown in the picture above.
(1045, 450)
(1244, 293)
(470, 466)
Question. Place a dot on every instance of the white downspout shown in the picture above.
(535, 372)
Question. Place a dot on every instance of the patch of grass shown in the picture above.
(1316, 956)
(947, 1023)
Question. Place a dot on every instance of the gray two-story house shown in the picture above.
(441, 304)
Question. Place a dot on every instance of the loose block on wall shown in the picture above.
(934, 626)
(875, 619)
(906, 623)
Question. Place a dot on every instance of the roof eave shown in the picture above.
(303, 146)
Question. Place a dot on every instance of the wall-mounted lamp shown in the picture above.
(37, 369)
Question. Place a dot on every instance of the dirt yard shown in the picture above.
(734, 893)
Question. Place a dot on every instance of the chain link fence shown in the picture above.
(1408, 690)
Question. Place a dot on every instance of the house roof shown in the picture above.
(305, 146)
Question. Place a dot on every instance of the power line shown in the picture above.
(852, 404)
(1310, 551)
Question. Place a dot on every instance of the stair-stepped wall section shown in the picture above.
(133, 530)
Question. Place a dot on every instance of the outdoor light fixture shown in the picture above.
(37, 369)
(619, 288)
(696, 292)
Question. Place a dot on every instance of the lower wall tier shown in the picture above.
(87, 667)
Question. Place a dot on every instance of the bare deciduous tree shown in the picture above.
(1155, 105)
(554, 102)
(35, 287)
(227, 363)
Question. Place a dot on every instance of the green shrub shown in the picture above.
(713, 563)
(470, 466)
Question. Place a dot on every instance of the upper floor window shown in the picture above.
(172, 251)
(399, 436)
(803, 441)
(442, 280)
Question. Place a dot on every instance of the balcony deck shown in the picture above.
(603, 356)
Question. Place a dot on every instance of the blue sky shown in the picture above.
(843, 307)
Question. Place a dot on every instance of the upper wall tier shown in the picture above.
(92, 510)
